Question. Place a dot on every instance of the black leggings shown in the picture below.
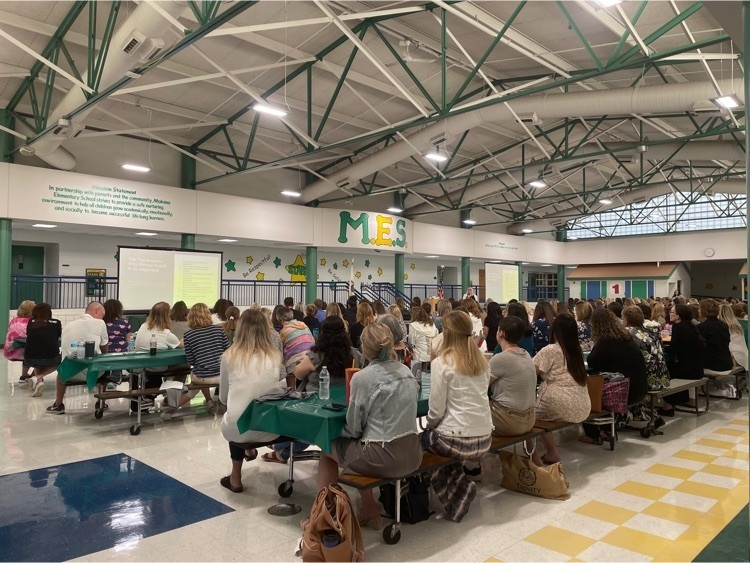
(236, 452)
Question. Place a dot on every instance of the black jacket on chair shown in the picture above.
(625, 357)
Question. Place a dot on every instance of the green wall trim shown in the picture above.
(311, 274)
(6, 248)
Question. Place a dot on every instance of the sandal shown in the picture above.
(224, 481)
(590, 440)
(252, 456)
(272, 457)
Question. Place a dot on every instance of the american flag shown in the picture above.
(441, 295)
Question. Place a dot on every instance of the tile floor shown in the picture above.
(660, 499)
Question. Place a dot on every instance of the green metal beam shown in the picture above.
(580, 35)
(633, 21)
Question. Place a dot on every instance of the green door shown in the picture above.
(26, 263)
(639, 289)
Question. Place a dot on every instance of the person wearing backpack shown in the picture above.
(380, 438)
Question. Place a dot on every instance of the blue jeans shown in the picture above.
(283, 448)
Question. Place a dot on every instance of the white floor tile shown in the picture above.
(584, 525)
(656, 480)
(741, 448)
(732, 462)
(715, 480)
(624, 500)
(656, 526)
(706, 449)
(684, 463)
(685, 500)
(605, 552)
(524, 551)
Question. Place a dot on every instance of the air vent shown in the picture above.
(439, 140)
(345, 183)
(530, 119)
(707, 109)
(133, 43)
(152, 47)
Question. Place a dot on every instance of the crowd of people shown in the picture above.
(536, 369)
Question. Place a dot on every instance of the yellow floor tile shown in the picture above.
(731, 432)
(640, 542)
(736, 455)
(493, 560)
(702, 490)
(739, 422)
(559, 540)
(673, 513)
(606, 512)
(670, 471)
(641, 490)
(695, 456)
(732, 472)
(715, 443)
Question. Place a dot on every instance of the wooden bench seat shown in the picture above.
(134, 393)
(502, 442)
(551, 425)
(677, 385)
(430, 461)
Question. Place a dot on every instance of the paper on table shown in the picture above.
(171, 385)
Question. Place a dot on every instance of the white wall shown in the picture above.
(717, 279)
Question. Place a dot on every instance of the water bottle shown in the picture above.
(152, 345)
(325, 384)
(81, 349)
(73, 350)
(131, 346)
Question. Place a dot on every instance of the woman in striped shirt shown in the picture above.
(205, 342)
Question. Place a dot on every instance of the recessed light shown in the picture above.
(469, 221)
(432, 256)
(571, 267)
(227, 240)
(135, 168)
(147, 234)
(527, 231)
(545, 265)
(608, 3)
(436, 157)
(395, 210)
(524, 263)
(44, 226)
(291, 193)
(572, 238)
(730, 101)
(538, 183)
(269, 110)
(605, 201)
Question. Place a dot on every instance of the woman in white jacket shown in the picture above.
(249, 369)
(737, 345)
(421, 332)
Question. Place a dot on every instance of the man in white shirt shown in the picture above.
(89, 327)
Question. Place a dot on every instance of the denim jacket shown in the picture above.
(383, 403)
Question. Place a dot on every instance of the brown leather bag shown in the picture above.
(332, 520)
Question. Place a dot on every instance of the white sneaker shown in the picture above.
(211, 406)
(166, 416)
(38, 387)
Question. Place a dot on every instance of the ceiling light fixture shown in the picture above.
(608, 3)
(227, 240)
(605, 201)
(44, 226)
(270, 110)
(395, 210)
(146, 234)
(135, 168)
(436, 156)
(291, 193)
(538, 183)
(545, 265)
(572, 238)
(524, 263)
(469, 218)
(730, 101)
(527, 231)
(432, 256)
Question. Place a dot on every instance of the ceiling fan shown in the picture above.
(406, 56)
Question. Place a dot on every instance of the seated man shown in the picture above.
(296, 339)
(89, 327)
(289, 304)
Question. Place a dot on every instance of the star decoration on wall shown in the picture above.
(406, 276)
(117, 255)
(412, 266)
(380, 271)
(335, 266)
(249, 260)
(297, 269)
(322, 261)
(332, 284)
(230, 266)
(260, 276)
(277, 262)
(369, 276)
(367, 263)
(346, 263)
(358, 275)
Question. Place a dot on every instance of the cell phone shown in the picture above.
(335, 407)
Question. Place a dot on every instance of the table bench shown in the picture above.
(675, 386)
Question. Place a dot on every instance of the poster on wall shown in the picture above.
(365, 230)
(96, 283)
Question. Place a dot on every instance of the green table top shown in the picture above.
(18, 343)
(69, 367)
(304, 420)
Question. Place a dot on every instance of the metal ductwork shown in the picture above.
(665, 98)
(137, 39)
(552, 220)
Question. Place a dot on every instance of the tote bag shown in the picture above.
(522, 475)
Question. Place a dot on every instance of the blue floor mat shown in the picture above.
(67, 511)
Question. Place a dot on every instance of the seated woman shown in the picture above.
(737, 343)
(118, 333)
(475, 314)
(219, 313)
(421, 333)
(649, 343)
(583, 317)
(42, 351)
(205, 342)
(17, 329)
(686, 350)
(395, 311)
(443, 307)
(380, 438)
(249, 369)
(517, 310)
(491, 322)
(563, 394)
(512, 382)
(544, 314)
(459, 423)
(717, 359)
(616, 350)
(365, 317)
(333, 350)
(230, 325)
(310, 319)
(178, 315)
(402, 351)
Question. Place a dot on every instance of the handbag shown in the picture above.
(615, 395)
(522, 475)
(414, 504)
(332, 532)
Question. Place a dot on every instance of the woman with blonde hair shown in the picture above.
(583, 312)
(737, 345)
(334, 310)
(380, 438)
(17, 329)
(459, 423)
(443, 307)
(249, 369)
(395, 311)
(157, 325)
(365, 317)
(475, 315)
(658, 314)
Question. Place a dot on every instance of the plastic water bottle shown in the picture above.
(73, 350)
(425, 381)
(131, 346)
(152, 345)
(81, 349)
(325, 384)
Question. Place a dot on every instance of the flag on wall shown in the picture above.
(351, 278)
(440, 293)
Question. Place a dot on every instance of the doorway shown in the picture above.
(27, 262)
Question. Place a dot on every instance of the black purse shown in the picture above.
(415, 502)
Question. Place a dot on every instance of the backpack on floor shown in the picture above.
(415, 504)
(333, 532)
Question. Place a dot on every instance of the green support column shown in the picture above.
(520, 281)
(6, 244)
(7, 144)
(746, 41)
(561, 283)
(400, 272)
(311, 274)
(187, 181)
(465, 275)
